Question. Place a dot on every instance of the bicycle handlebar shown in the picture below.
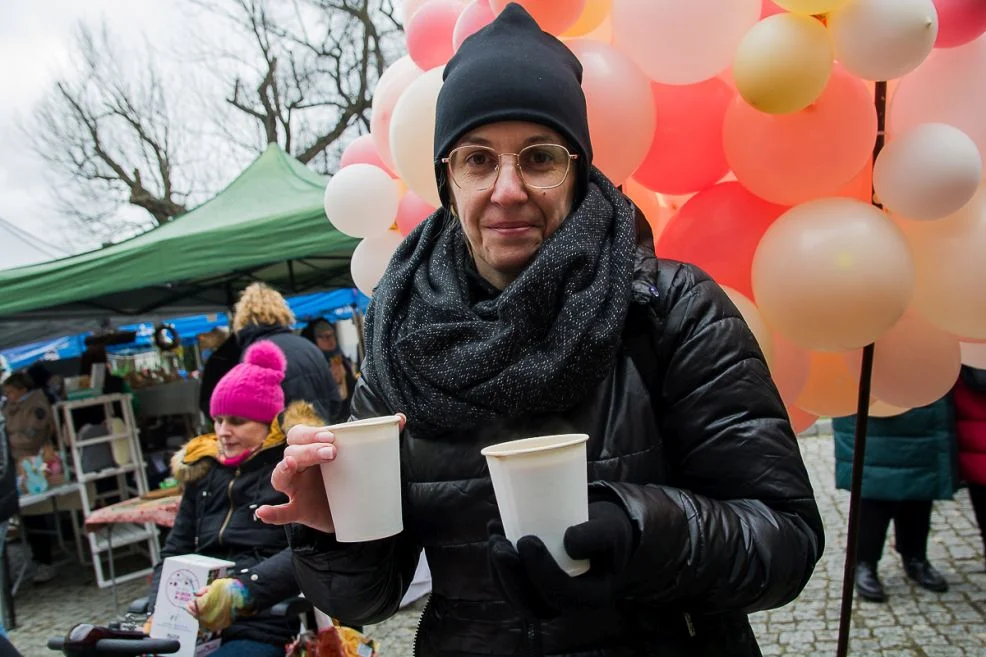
(132, 647)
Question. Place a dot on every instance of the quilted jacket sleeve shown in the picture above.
(357, 583)
(739, 529)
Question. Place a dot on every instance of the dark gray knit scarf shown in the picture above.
(540, 345)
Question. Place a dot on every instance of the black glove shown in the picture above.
(531, 580)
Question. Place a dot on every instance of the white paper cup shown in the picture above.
(541, 488)
(363, 482)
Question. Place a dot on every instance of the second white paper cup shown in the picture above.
(363, 482)
(541, 488)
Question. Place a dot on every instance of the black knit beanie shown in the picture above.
(511, 70)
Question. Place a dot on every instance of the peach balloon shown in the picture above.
(390, 86)
(800, 420)
(620, 104)
(412, 135)
(833, 274)
(686, 153)
(554, 16)
(973, 354)
(951, 268)
(675, 42)
(646, 200)
(928, 172)
(429, 33)
(832, 390)
(883, 39)
(792, 158)
(754, 321)
(883, 409)
(411, 211)
(790, 367)
(593, 15)
(914, 363)
(959, 21)
(473, 18)
(811, 7)
(370, 259)
(719, 230)
(362, 150)
(783, 63)
(949, 87)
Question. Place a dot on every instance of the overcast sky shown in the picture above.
(35, 42)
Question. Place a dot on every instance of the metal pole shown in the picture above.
(859, 442)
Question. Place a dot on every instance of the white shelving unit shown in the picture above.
(140, 537)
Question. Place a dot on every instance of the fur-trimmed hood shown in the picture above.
(201, 453)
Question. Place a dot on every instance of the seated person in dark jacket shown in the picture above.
(531, 303)
(226, 476)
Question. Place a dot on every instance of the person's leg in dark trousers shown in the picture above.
(38, 530)
(874, 520)
(977, 495)
(912, 525)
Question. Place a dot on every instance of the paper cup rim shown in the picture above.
(367, 422)
(534, 445)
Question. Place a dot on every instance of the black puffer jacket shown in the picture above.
(687, 431)
(216, 519)
(308, 377)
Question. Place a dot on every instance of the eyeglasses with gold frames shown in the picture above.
(540, 166)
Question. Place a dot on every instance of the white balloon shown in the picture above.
(973, 354)
(883, 39)
(361, 200)
(370, 260)
(412, 135)
(928, 172)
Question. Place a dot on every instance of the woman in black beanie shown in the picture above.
(532, 303)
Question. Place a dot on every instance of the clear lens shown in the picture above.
(541, 166)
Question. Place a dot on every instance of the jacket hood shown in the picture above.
(201, 453)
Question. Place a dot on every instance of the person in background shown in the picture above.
(909, 463)
(532, 303)
(263, 314)
(323, 334)
(969, 400)
(44, 381)
(8, 508)
(226, 475)
(30, 427)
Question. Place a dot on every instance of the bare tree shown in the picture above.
(299, 73)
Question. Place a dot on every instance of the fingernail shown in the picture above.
(327, 452)
(325, 436)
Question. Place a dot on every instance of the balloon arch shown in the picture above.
(849, 233)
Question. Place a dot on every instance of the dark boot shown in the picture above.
(868, 585)
(924, 575)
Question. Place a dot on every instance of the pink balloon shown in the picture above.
(959, 21)
(686, 154)
(362, 150)
(769, 9)
(411, 211)
(792, 158)
(390, 86)
(429, 33)
(473, 18)
(620, 106)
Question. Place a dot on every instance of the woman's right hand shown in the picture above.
(298, 477)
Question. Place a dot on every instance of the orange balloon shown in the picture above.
(719, 230)
(951, 268)
(620, 107)
(800, 420)
(833, 274)
(791, 158)
(861, 186)
(657, 216)
(595, 12)
(883, 409)
(554, 16)
(790, 368)
(914, 363)
(832, 389)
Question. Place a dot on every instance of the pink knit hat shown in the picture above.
(252, 389)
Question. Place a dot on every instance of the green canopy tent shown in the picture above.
(267, 225)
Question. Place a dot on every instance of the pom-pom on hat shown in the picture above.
(512, 70)
(252, 389)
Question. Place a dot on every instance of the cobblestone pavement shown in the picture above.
(914, 623)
